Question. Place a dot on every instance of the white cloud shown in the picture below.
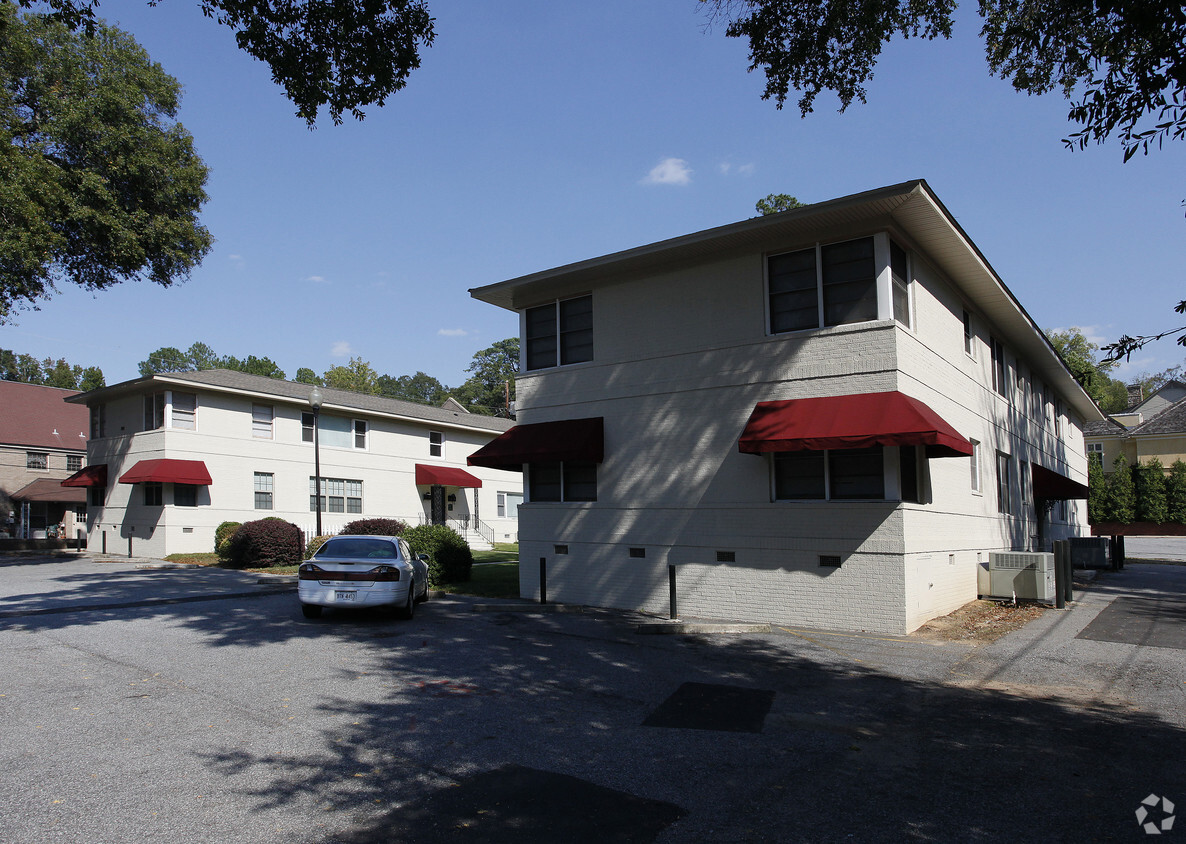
(341, 349)
(316, 279)
(669, 171)
(452, 332)
(234, 257)
(728, 168)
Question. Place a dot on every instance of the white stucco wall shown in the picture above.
(680, 360)
(223, 440)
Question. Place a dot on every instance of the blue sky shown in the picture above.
(539, 133)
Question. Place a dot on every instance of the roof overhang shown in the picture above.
(909, 208)
(50, 490)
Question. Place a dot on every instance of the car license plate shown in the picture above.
(344, 596)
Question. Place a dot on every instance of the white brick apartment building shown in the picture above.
(172, 456)
(823, 417)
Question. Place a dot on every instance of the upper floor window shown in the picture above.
(900, 276)
(339, 432)
(73, 462)
(436, 444)
(98, 421)
(154, 411)
(975, 465)
(179, 408)
(969, 348)
(308, 420)
(184, 409)
(261, 421)
(360, 434)
(36, 460)
(559, 333)
(834, 284)
(1000, 371)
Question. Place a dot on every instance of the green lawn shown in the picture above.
(498, 580)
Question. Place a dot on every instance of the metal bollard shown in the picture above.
(543, 580)
(671, 591)
(1060, 573)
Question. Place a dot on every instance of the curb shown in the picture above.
(542, 608)
(677, 626)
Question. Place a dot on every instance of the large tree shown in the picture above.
(338, 54)
(358, 375)
(1082, 358)
(491, 385)
(1121, 63)
(200, 356)
(98, 184)
(421, 388)
(48, 373)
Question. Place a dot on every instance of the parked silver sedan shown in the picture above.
(363, 571)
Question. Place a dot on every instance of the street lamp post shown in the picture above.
(315, 402)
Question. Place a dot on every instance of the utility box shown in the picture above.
(1089, 552)
(1028, 575)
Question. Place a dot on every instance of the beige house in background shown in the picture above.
(42, 441)
(1151, 428)
(172, 456)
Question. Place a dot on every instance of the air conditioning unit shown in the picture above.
(1024, 574)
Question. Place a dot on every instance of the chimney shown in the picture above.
(1136, 394)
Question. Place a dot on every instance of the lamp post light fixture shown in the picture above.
(315, 401)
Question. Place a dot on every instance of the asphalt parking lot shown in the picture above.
(198, 705)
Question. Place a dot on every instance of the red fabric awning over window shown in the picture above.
(1051, 486)
(544, 442)
(862, 420)
(93, 475)
(167, 470)
(445, 476)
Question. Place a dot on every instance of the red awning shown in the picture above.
(445, 476)
(863, 420)
(167, 470)
(1051, 486)
(544, 442)
(93, 475)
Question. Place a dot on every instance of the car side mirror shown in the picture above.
(423, 557)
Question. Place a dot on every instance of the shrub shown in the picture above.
(263, 544)
(315, 543)
(1150, 491)
(222, 533)
(450, 559)
(376, 527)
(1175, 493)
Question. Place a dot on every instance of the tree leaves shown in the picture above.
(98, 185)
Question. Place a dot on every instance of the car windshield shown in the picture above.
(340, 549)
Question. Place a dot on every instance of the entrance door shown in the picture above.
(438, 504)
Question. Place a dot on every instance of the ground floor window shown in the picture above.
(836, 474)
(263, 490)
(338, 495)
(185, 495)
(569, 481)
(97, 494)
(153, 495)
(508, 504)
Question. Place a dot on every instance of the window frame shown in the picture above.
(1004, 483)
(822, 267)
(263, 428)
(553, 332)
(264, 484)
(153, 494)
(33, 458)
(336, 495)
(829, 463)
(977, 482)
(185, 495)
(98, 420)
(568, 478)
(73, 462)
(436, 443)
